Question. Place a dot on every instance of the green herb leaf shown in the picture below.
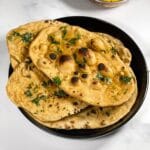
(81, 63)
(99, 76)
(56, 80)
(52, 40)
(35, 89)
(64, 31)
(30, 85)
(27, 37)
(78, 36)
(60, 94)
(10, 37)
(73, 40)
(125, 79)
(28, 93)
(63, 27)
(107, 79)
(103, 78)
(38, 98)
(114, 51)
(16, 33)
(58, 51)
(46, 83)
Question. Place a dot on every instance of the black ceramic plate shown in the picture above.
(138, 65)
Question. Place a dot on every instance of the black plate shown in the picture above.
(138, 65)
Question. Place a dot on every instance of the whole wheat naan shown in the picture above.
(28, 88)
(94, 117)
(19, 39)
(123, 52)
(87, 65)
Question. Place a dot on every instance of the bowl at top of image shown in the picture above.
(109, 3)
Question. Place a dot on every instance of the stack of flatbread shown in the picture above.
(66, 77)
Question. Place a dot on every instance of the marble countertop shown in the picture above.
(16, 132)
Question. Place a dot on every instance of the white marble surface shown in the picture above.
(16, 132)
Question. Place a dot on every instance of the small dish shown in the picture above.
(110, 4)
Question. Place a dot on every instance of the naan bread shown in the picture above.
(87, 65)
(94, 117)
(122, 51)
(28, 88)
(19, 39)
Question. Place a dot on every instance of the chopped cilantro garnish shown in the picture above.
(60, 94)
(28, 93)
(103, 78)
(27, 37)
(16, 33)
(63, 27)
(58, 50)
(114, 50)
(107, 79)
(51, 39)
(38, 98)
(81, 62)
(78, 36)
(46, 83)
(99, 76)
(64, 31)
(73, 40)
(56, 80)
(10, 37)
(125, 79)
(35, 89)
(30, 85)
